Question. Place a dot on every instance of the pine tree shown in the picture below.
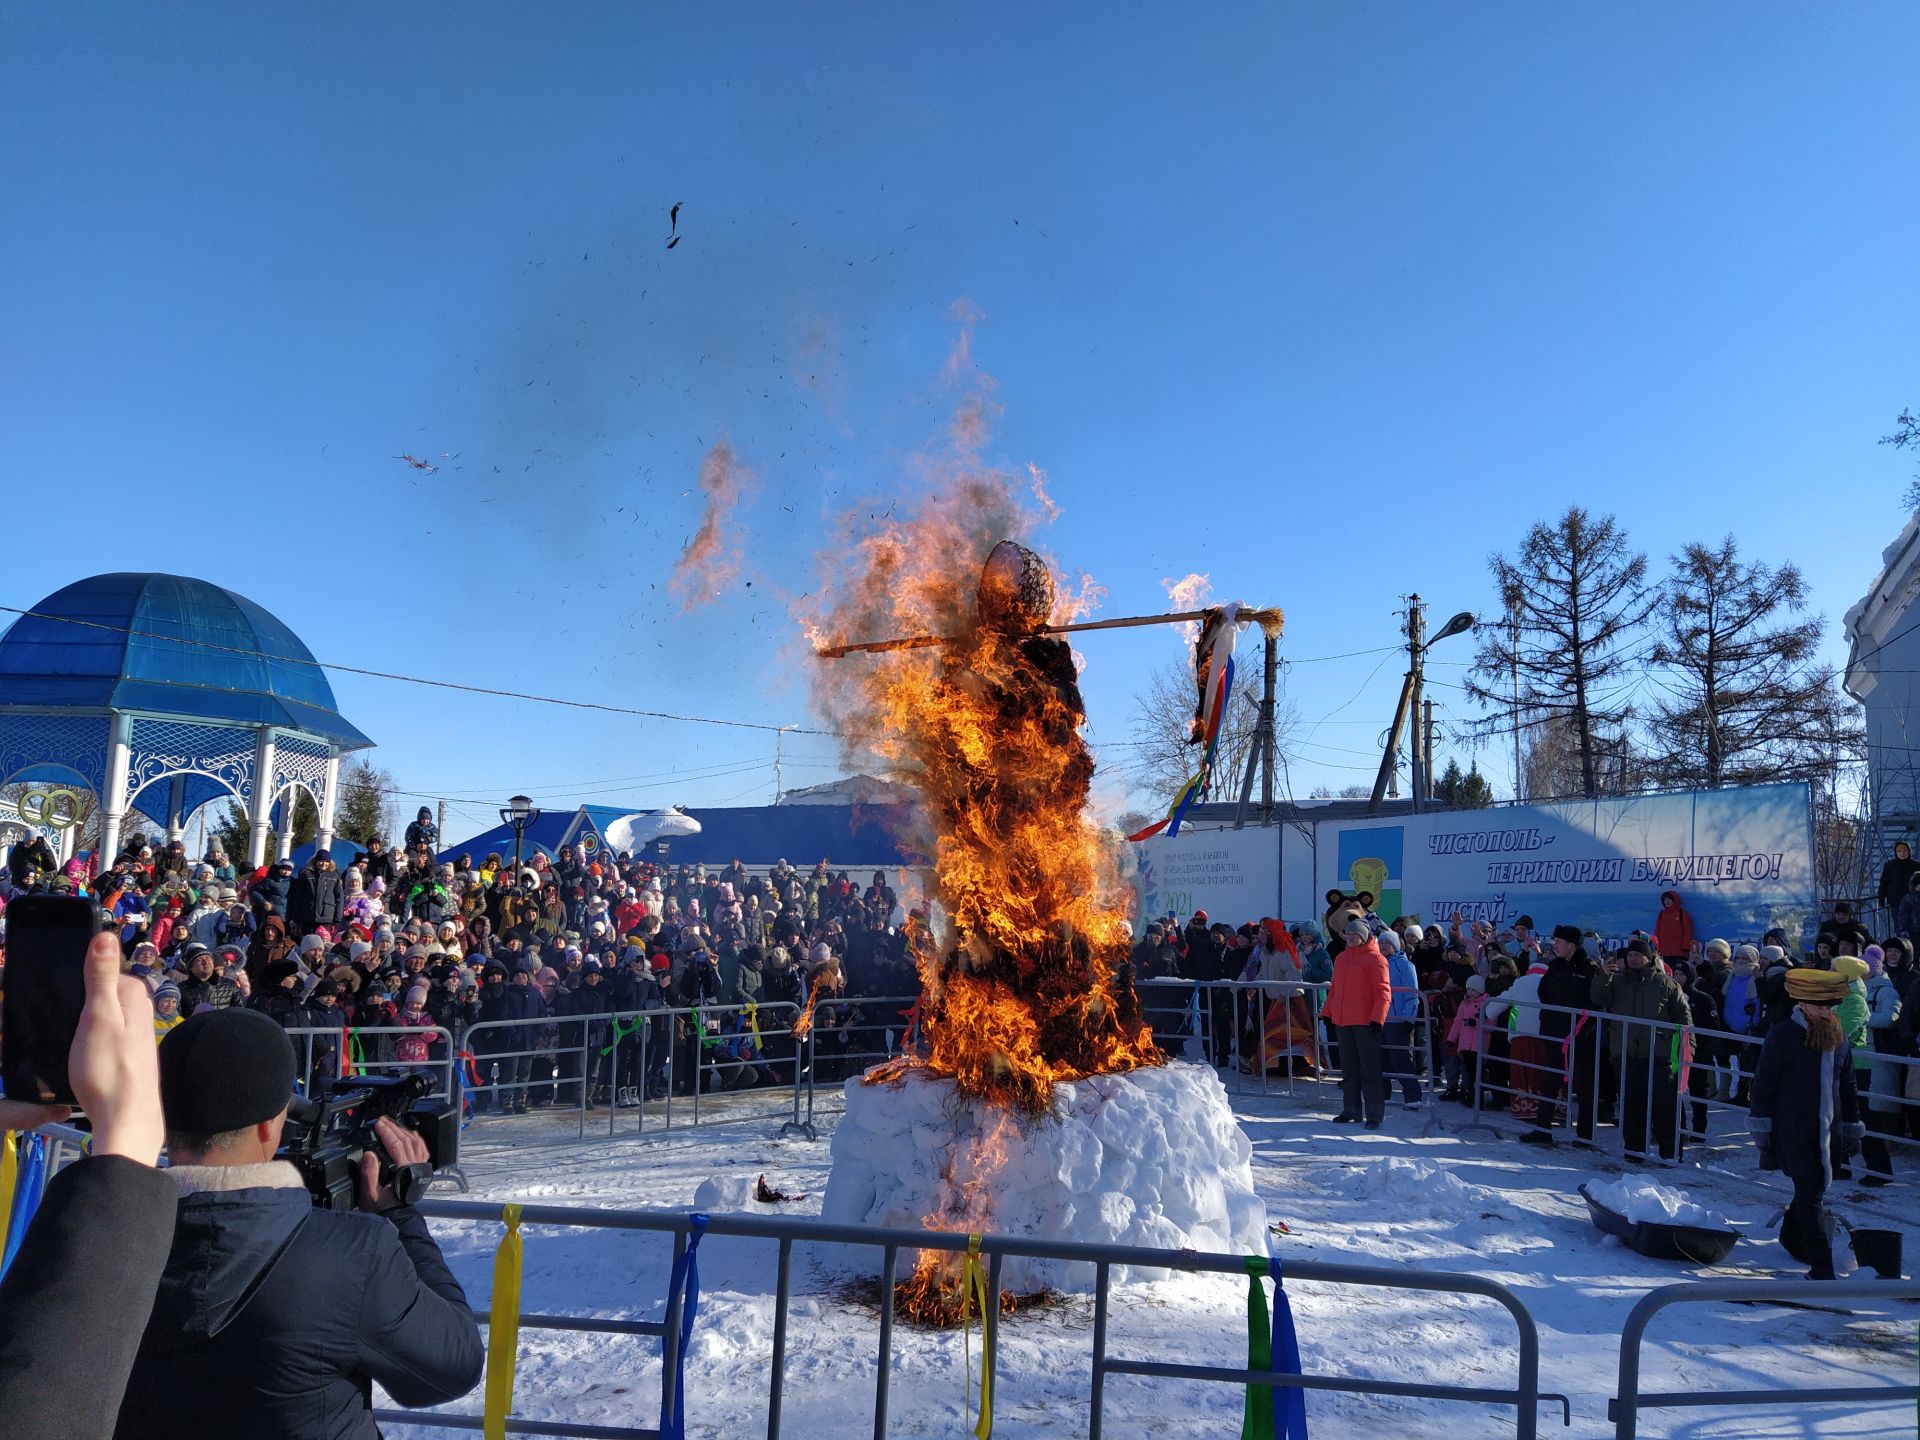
(360, 808)
(1573, 596)
(1742, 704)
(1468, 791)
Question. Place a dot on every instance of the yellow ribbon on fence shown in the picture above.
(503, 1328)
(9, 1177)
(973, 1286)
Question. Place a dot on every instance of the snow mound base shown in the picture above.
(1150, 1158)
(1642, 1201)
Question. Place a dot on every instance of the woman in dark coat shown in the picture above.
(1805, 1114)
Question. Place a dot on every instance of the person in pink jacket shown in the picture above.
(1357, 1009)
(1467, 1037)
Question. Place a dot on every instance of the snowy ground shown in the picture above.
(1428, 1191)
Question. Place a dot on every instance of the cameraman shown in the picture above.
(274, 1318)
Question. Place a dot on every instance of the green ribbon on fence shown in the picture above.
(710, 1042)
(1256, 1419)
(622, 1029)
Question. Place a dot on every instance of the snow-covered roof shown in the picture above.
(1893, 592)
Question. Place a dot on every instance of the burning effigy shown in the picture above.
(1037, 1102)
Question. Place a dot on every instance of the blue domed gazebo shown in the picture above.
(158, 693)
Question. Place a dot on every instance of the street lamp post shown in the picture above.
(518, 812)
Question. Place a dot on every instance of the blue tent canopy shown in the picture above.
(757, 835)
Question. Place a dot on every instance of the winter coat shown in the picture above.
(1361, 990)
(1567, 985)
(1906, 919)
(1518, 1010)
(77, 1296)
(283, 1007)
(414, 1049)
(314, 899)
(1673, 929)
(206, 924)
(423, 832)
(1645, 994)
(274, 1317)
(1404, 1002)
(1805, 1105)
(1896, 879)
(269, 893)
(1741, 1009)
(1883, 1028)
(1467, 1034)
(217, 991)
(427, 899)
(1316, 965)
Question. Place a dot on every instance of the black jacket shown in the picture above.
(273, 1318)
(1896, 878)
(1567, 983)
(78, 1295)
(314, 899)
(269, 894)
(217, 991)
(1805, 1103)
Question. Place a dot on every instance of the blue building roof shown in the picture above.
(196, 650)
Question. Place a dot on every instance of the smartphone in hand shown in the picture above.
(45, 981)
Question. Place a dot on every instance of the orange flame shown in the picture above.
(1024, 987)
(712, 557)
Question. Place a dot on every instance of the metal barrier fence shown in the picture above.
(638, 1061)
(1624, 1410)
(327, 1054)
(1255, 1028)
(1523, 1396)
(1668, 1092)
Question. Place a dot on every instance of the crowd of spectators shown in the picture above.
(1517, 1016)
(641, 972)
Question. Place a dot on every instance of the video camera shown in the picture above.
(325, 1138)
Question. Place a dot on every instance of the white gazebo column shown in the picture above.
(113, 804)
(176, 803)
(287, 806)
(329, 797)
(260, 799)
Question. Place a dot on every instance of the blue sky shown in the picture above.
(1327, 302)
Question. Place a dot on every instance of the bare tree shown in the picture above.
(1906, 436)
(1574, 594)
(1741, 705)
(1161, 759)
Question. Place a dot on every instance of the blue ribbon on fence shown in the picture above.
(1289, 1405)
(686, 1271)
(28, 1188)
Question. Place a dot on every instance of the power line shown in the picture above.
(417, 679)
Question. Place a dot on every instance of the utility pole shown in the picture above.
(440, 823)
(778, 736)
(1416, 652)
(1265, 748)
(1426, 744)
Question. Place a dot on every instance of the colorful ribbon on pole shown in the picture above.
(1213, 673)
(31, 1184)
(973, 1289)
(686, 1273)
(1267, 1416)
(503, 1328)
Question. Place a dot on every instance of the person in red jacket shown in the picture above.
(1357, 1008)
(1673, 931)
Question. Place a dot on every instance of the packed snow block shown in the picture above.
(1151, 1158)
